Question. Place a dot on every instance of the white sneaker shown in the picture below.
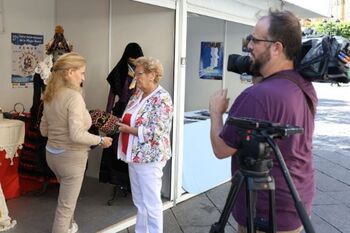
(74, 228)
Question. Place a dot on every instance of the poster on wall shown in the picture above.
(211, 60)
(27, 52)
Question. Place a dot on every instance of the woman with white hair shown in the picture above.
(144, 143)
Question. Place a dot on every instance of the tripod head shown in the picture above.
(254, 151)
(266, 128)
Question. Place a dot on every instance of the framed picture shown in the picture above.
(27, 52)
(211, 60)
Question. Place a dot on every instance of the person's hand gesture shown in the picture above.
(218, 102)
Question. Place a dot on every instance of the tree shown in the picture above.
(332, 28)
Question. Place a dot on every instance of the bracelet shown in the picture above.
(101, 142)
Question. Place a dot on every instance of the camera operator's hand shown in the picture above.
(218, 102)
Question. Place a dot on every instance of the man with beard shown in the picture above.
(283, 96)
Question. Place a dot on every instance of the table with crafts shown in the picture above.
(11, 140)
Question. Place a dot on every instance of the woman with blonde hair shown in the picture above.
(65, 122)
(144, 143)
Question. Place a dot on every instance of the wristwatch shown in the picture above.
(101, 141)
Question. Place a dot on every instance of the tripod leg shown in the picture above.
(237, 181)
(272, 213)
(253, 185)
(250, 204)
(297, 201)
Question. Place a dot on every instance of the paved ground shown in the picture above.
(331, 209)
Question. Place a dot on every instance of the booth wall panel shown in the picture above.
(29, 17)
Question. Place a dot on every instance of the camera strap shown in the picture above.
(307, 98)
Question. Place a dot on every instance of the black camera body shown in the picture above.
(322, 59)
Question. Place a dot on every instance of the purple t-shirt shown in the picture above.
(281, 101)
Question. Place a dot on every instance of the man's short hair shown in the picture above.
(285, 27)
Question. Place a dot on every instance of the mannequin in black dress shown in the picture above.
(121, 81)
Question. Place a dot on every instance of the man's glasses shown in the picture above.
(255, 40)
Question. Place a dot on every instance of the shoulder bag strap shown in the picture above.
(308, 99)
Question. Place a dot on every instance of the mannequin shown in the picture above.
(122, 86)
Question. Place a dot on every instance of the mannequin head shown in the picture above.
(58, 45)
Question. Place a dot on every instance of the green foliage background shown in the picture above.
(332, 28)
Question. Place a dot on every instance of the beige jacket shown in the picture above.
(66, 121)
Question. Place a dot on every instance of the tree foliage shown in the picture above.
(332, 28)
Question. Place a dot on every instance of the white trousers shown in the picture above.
(146, 184)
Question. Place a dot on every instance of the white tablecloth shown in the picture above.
(11, 139)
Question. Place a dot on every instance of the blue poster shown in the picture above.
(211, 60)
(27, 52)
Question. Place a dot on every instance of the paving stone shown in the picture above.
(219, 196)
(198, 211)
(322, 226)
(325, 182)
(337, 216)
(170, 222)
(342, 197)
(203, 229)
(324, 198)
(340, 157)
(333, 170)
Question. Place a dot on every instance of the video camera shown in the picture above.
(322, 59)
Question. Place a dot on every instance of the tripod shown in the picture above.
(254, 168)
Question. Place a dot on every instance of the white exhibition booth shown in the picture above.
(170, 30)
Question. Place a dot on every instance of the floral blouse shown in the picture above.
(153, 117)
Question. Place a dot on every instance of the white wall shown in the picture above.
(235, 32)
(30, 17)
(202, 28)
(197, 91)
(150, 26)
(86, 26)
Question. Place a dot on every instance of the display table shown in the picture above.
(201, 169)
(11, 140)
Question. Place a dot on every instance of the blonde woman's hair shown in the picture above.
(59, 74)
(149, 65)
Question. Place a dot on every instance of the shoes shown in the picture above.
(74, 228)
